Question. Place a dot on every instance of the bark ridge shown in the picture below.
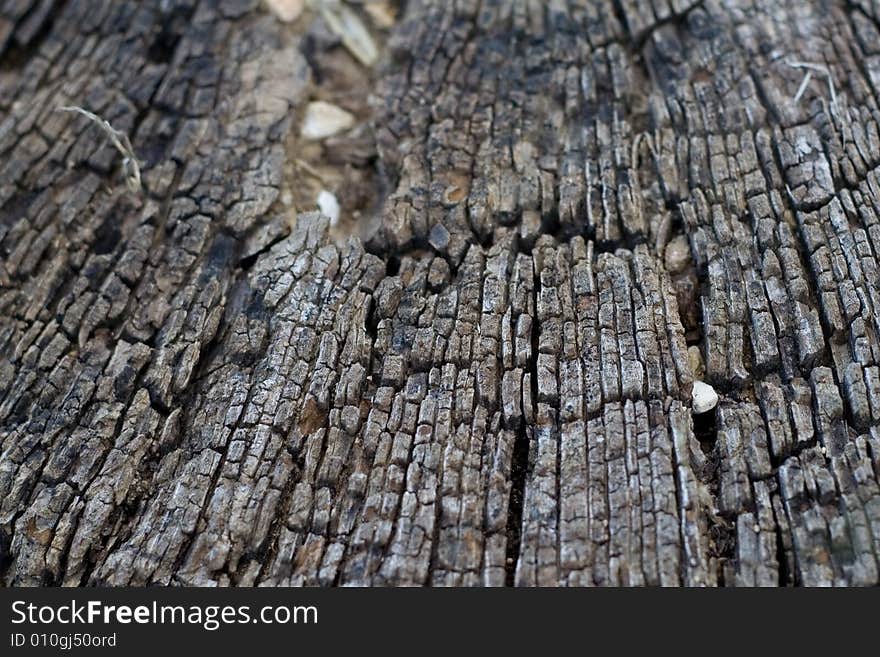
(590, 205)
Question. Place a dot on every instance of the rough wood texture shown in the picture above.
(496, 389)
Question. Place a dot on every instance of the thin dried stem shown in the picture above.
(818, 68)
(130, 167)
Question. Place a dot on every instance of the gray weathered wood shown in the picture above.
(493, 386)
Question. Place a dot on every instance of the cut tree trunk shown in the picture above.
(583, 207)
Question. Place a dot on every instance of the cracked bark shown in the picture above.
(494, 386)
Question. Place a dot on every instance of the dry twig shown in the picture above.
(130, 167)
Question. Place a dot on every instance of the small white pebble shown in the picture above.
(286, 10)
(345, 24)
(329, 206)
(324, 120)
(757, 528)
(704, 397)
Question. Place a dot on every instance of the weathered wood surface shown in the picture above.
(497, 387)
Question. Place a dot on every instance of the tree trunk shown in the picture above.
(558, 216)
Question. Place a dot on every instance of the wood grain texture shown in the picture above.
(494, 387)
